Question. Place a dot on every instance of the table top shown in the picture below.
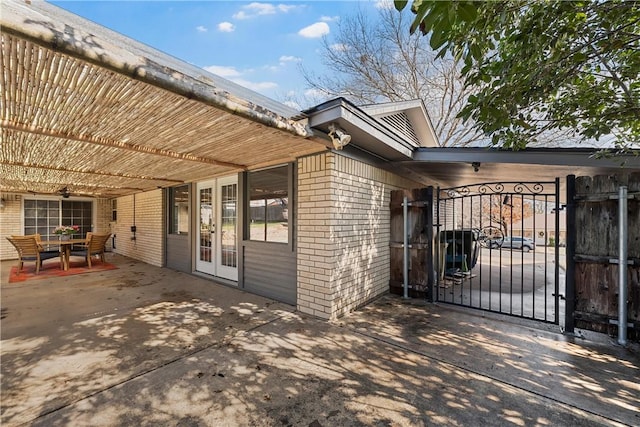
(63, 242)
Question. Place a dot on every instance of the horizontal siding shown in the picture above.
(146, 212)
(270, 271)
(179, 253)
(10, 224)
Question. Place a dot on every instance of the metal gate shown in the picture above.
(497, 248)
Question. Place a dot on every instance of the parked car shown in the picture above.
(516, 242)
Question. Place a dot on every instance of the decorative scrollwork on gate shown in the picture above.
(528, 188)
(488, 188)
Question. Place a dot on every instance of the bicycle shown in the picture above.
(490, 237)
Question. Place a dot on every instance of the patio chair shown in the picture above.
(29, 249)
(94, 246)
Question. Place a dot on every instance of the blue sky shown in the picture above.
(259, 45)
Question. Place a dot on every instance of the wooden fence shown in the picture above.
(593, 221)
(420, 220)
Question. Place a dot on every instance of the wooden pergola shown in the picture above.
(87, 109)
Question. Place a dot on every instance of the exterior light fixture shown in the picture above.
(338, 136)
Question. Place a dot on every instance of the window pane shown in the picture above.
(268, 205)
(179, 210)
(41, 216)
(207, 224)
(77, 213)
(229, 198)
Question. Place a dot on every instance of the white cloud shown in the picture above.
(261, 8)
(289, 58)
(226, 27)
(286, 8)
(257, 86)
(315, 93)
(329, 18)
(257, 9)
(292, 104)
(201, 29)
(238, 77)
(384, 4)
(240, 15)
(223, 71)
(314, 31)
(339, 47)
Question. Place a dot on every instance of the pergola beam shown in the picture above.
(91, 172)
(11, 185)
(89, 139)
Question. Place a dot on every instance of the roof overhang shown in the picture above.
(367, 133)
(455, 166)
(89, 109)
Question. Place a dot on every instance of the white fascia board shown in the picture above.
(534, 156)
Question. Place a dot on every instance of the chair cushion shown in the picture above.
(49, 255)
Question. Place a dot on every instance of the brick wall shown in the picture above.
(342, 233)
(149, 244)
(10, 223)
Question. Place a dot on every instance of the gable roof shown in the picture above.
(408, 118)
(388, 131)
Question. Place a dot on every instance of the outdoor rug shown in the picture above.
(52, 269)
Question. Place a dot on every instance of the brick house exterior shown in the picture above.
(335, 256)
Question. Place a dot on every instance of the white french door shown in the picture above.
(217, 244)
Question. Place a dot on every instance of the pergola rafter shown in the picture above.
(115, 144)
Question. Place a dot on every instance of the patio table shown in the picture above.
(65, 248)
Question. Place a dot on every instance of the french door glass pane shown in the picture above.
(229, 199)
(206, 223)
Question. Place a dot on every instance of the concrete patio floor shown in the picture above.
(147, 346)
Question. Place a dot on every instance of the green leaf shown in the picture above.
(400, 4)
(416, 5)
(467, 12)
(429, 19)
(437, 40)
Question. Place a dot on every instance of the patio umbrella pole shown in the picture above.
(622, 265)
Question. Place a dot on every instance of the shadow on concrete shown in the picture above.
(189, 352)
